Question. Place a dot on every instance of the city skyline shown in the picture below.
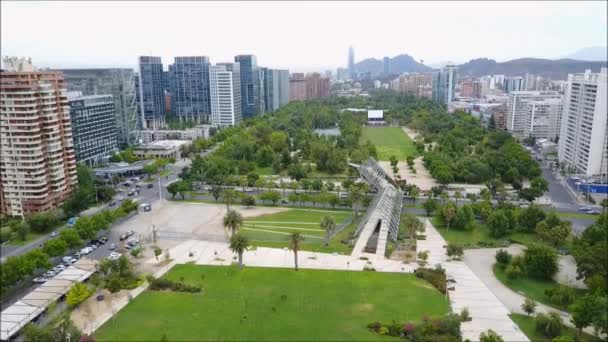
(566, 27)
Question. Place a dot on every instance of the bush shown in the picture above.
(540, 262)
(435, 277)
(561, 295)
(374, 326)
(514, 271)
(490, 336)
(464, 315)
(445, 328)
(503, 257)
(166, 284)
(549, 325)
(455, 250)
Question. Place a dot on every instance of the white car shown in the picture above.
(49, 274)
(71, 261)
(59, 268)
(114, 256)
(55, 233)
(85, 251)
(39, 280)
(113, 246)
(248, 189)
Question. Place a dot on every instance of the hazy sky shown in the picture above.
(296, 35)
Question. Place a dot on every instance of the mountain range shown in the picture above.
(555, 69)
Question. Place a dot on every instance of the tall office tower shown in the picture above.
(271, 89)
(512, 84)
(583, 142)
(352, 72)
(477, 89)
(386, 65)
(189, 88)
(235, 68)
(121, 84)
(93, 127)
(151, 93)
(535, 113)
(166, 82)
(251, 87)
(37, 164)
(444, 83)
(223, 103)
(283, 86)
(297, 87)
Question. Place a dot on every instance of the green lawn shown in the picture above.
(277, 227)
(469, 238)
(527, 326)
(389, 141)
(576, 215)
(532, 288)
(31, 236)
(274, 304)
(263, 171)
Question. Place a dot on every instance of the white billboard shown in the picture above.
(375, 114)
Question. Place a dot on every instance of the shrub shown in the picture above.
(513, 271)
(455, 250)
(490, 336)
(464, 315)
(136, 251)
(561, 295)
(435, 277)
(166, 284)
(114, 285)
(374, 326)
(549, 325)
(540, 262)
(503, 257)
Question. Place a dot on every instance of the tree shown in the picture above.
(464, 217)
(430, 205)
(356, 196)
(293, 198)
(78, 294)
(157, 251)
(233, 220)
(216, 192)
(229, 196)
(248, 201)
(238, 244)
(490, 336)
(295, 240)
(498, 224)
(71, 238)
(272, 196)
(604, 204)
(540, 262)
(393, 160)
(448, 214)
(529, 306)
(22, 230)
(329, 225)
(55, 247)
(34, 333)
(173, 189)
(530, 217)
(585, 310)
(457, 196)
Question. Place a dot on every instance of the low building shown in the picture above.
(148, 136)
(121, 169)
(375, 117)
(327, 132)
(160, 149)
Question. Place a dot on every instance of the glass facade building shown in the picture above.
(189, 87)
(151, 93)
(251, 87)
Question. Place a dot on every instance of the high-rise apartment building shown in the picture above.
(512, 84)
(535, 113)
(189, 87)
(251, 87)
(583, 143)
(297, 87)
(235, 68)
(93, 127)
(352, 72)
(151, 92)
(444, 83)
(283, 86)
(413, 83)
(317, 86)
(118, 82)
(223, 103)
(37, 163)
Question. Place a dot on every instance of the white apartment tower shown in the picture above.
(224, 109)
(583, 143)
(37, 163)
(535, 113)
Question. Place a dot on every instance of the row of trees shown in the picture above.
(90, 191)
(17, 268)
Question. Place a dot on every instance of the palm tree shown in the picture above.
(239, 244)
(294, 186)
(449, 213)
(414, 192)
(328, 224)
(356, 196)
(233, 221)
(338, 188)
(295, 239)
(457, 195)
(229, 196)
(283, 186)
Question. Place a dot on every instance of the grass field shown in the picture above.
(276, 228)
(274, 305)
(532, 288)
(31, 236)
(527, 326)
(389, 141)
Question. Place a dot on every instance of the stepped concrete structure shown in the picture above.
(383, 213)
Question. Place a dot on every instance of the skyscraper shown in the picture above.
(283, 86)
(37, 163)
(351, 63)
(235, 68)
(386, 61)
(512, 84)
(189, 87)
(223, 103)
(251, 90)
(583, 142)
(151, 93)
(444, 83)
(120, 83)
(271, 89)
(93, 127)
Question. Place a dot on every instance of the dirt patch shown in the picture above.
(422, 178)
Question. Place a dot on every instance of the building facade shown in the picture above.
(283, 86)
(317, 86)
(120, 83)
(252, 99)
(413, 83)
(352, 72)
(271, 89)
(37, 164)
(444, 83)
(223, 103)
(189, 87)
(297, 87)
(93, 127)
(534, 113)
(148, 136)
(151, 92)
(512, 84)
(583, 143)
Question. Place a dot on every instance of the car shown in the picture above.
(284, 201)
(150, 186)
(137, 186)
(49, 274)
(585, 209)
(344, 195)
(67, 258)
(55, 233)
(103, 240)
(71, 261)
(113, 203)
(92, 247)
(113, 246)
(130, 193)
(123, 237)
(85, 251)
(39, 280)
(248, 189)
(593, 212)
(77, 255)
(114, 256)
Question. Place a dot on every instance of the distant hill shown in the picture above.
(555, 69)
(397, 65)
(593, 53)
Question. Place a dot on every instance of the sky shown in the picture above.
(300, 36)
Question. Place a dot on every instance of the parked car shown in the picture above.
(85, 251)
(103, 240)
(123, 237)
(150, 186)
(71, 261)
(131, 193)
(248, 189)
(39, 280)
(114, 256)
(130, 233)
(55, 233)
(113, 246)
(284, 201)
(585, 209)
(59, 268)
(113, 203)
(67, 258)
(49, 274)
(593, 212)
